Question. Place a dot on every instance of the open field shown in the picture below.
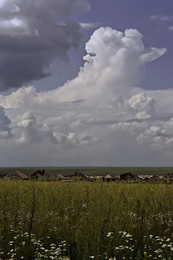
(54, 171)
(82, 220)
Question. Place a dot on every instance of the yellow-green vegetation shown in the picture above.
(72, 220)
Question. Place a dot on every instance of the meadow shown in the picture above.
(83, 220)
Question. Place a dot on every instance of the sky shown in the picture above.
(86, 83)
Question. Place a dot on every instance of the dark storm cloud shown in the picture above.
(32, 34)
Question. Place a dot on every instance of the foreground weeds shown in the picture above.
(59, 220)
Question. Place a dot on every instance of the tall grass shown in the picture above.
(51, 220)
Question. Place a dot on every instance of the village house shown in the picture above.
(153, 178)
(108, 177)
(141, 177)
(16, 175)
(78, 176)
(96, 178)
(128, 176)
(36, 174)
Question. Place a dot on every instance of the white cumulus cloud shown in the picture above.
(101, 116)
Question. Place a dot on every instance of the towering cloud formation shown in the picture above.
(33, 33)
(112, 65)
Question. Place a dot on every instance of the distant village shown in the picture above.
(78, 176)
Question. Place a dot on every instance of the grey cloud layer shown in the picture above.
(32, 34)
(99, 118)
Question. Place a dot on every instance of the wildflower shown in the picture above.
(85, 205)
(145, 254)
(109, 234)
(158, 250)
